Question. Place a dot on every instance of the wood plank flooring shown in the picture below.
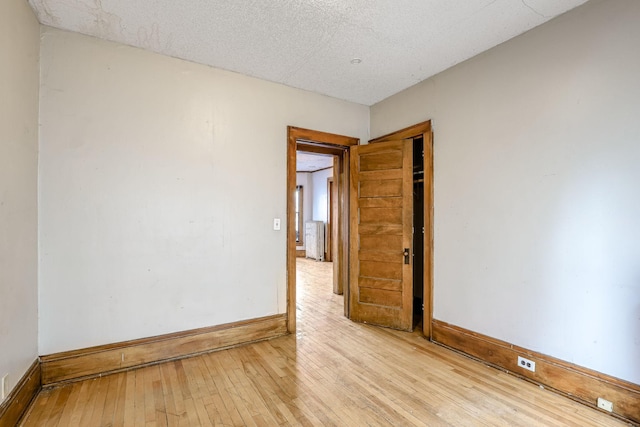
(332, 372)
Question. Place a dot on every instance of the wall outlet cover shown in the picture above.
(526, 364)
(605, 404)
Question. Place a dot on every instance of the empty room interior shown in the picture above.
(320, 213)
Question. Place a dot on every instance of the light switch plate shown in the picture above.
(4, 387)
(276, 223)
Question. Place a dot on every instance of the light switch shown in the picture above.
(276, 223)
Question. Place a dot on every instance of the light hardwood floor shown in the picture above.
(332, 372)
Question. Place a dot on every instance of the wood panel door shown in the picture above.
(381, 284)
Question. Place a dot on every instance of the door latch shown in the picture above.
(406, 255)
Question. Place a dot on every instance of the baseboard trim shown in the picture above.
(301, 253)
(101, 360)
(576, 382)
(18, 401)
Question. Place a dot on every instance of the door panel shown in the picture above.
(381, 161)
(381, 297)
(381, 270)
(388, 285)
(380, 229)
(392, 217)
(376, 243)
(381, 203)
(377, 256)
(381, 188)
(381, 290)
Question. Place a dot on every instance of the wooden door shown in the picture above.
(381, 288)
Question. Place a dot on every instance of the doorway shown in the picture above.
(313, 205)
(314, 227)
(310, 141)
(347, 256)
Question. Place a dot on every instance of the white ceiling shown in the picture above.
(309, 44)
(307, 162)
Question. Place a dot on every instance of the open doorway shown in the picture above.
(313, 205)
(314, 228)
(336, 149)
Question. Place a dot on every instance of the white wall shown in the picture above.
(537, 197)
(304, 179)
(159, 181)
(19, 46)
(320, 194)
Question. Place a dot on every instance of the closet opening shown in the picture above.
(418, 229)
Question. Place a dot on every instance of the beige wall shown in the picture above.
(19, 46)
(159, 181)
(320, 201)
(537, 197)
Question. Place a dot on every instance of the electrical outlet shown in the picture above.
(526, 364)
(4, 387)
(605, 404)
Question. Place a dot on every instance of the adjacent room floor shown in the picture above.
(332, 372)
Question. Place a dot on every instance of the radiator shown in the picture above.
(314, 240)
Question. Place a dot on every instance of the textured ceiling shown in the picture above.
(307, 162)
(309, 44)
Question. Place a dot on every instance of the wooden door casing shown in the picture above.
(381, 231)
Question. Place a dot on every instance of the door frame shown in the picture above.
(332, 206)
(425, 129)
(322, 143)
